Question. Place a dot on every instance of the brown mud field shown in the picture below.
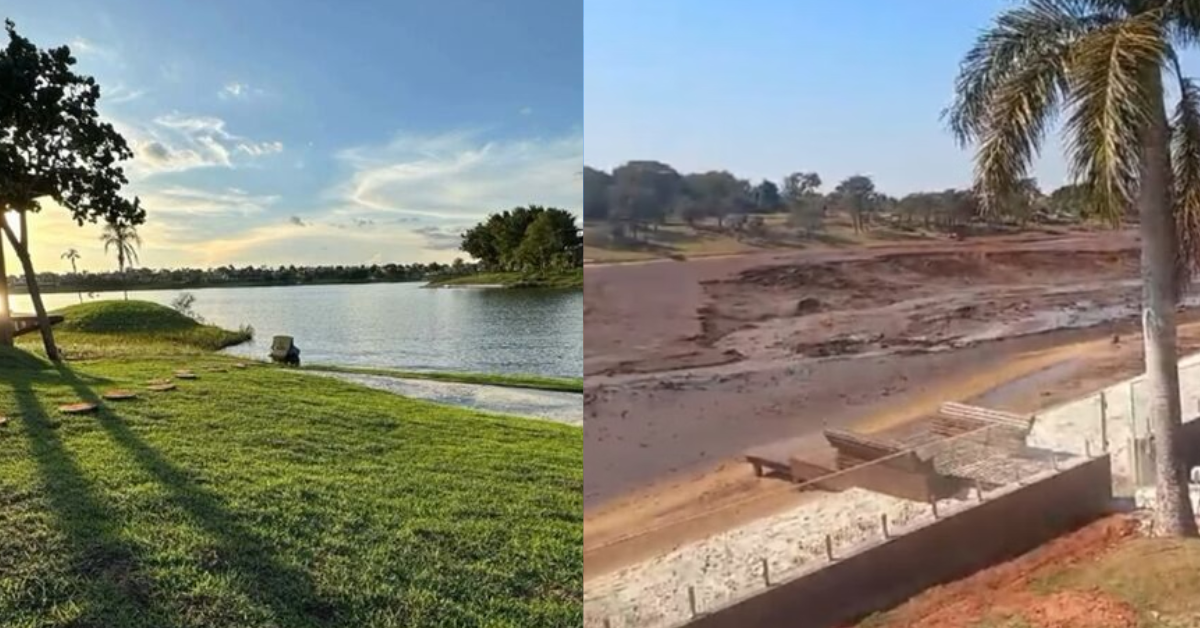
(688, 364)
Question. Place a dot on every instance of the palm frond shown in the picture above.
(1185, 156)
(1040, 29)
(1184, 19)
(1110, 104)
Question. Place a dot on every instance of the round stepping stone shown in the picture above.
(185, 375)
(239, 365)
(3, 421)
(78, 408)
(158, 382)
(164, 387)
(119, 394)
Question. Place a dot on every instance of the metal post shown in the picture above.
(1087, 449)
(978, 490)
(1104, 420)
(1054, 460)
(829, 547)
(1137, 460)
(933, 506)
(883, 524)
(1132, 409)
(692, 599)
(766, 568)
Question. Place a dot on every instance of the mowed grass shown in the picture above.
(142, 320)
(267, 497)
(537, 382)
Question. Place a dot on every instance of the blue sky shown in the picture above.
(768, 87)
(323, 132)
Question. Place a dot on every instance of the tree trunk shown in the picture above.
(6, 325)
(22, 251)
(1173, 514)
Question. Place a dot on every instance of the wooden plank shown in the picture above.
(999, 417)
(28, 323)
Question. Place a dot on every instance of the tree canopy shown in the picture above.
(52, 141)
(641, 194)
(526, 239)
(53, 144)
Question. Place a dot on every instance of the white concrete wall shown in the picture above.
(1075, 425)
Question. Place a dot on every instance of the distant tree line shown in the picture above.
(640, 195)
(526, 239)
(149, 278)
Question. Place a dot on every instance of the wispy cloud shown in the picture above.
(87, 48)
(178, 200)
(175, 142)
(120, 94)
(237, 90)
(461, 175)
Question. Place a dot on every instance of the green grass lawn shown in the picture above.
(568, 279)
(537, 382)
(122, 321)
(267, 497)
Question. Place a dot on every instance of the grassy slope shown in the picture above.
(141, 320)
(266, 497)
(537, 382)
(569, 279)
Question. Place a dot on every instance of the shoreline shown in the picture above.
(499, 380)
(525, 403)
(15, 290)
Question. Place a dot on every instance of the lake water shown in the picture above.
(398, 325)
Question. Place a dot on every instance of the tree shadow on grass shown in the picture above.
(288, 593)
(116, 590)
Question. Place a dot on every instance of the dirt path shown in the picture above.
(671, 405)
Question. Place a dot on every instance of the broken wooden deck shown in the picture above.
(28, 323)
(794, 458)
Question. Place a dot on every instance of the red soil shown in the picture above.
(1004, 591)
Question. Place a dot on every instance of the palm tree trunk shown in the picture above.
(22, 251)
(6, 326)
(1173, 515)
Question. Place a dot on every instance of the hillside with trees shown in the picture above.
(649, 206)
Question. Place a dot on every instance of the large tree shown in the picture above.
(596, 194)
(717, 194)
(766, 197)
(501, 241)
(642, 192)
(52, 145)
(857, 195)
(1104, 62)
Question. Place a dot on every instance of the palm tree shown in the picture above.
(125, 239)
(1104, 62)
(72, 255)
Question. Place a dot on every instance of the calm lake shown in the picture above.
(398, 325)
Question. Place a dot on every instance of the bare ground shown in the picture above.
(1011, 594)
(690, 363)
